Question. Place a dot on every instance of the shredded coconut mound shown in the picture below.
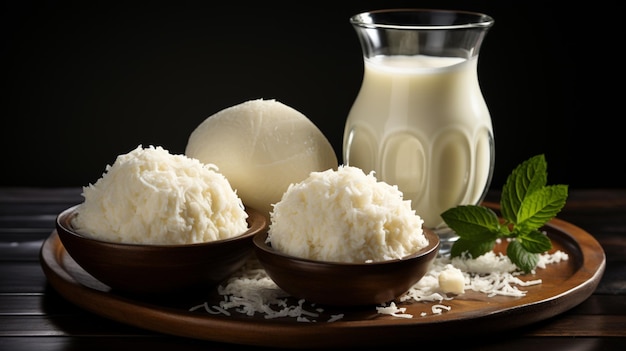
(150, 196)
(345, 216)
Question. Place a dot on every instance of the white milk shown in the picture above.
(421, 123)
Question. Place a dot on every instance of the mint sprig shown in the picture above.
(526, 204)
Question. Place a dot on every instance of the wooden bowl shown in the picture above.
(345, 284)
(159, 269)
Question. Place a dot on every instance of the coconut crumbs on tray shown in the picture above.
(251, 291)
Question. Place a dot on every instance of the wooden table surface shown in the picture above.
(33, 316)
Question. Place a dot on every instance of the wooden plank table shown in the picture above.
(33, 316)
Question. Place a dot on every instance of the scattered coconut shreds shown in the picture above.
(556, 257)
(335, 317)
(438, 309)
(251, 291)
(394, 310)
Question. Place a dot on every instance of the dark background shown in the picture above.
(83, 82)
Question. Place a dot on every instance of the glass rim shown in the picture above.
(475, 19)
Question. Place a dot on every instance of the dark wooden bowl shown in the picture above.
(345, 284)
(159, 269)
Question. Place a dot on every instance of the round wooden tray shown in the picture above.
(564, 285)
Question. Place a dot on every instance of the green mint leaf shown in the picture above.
(473, 248)
(535, 242)
(526, 204)
(524, 260)
(541, 206)
(526, 178)
(472, 222)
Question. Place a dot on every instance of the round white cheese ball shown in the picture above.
(261, 146)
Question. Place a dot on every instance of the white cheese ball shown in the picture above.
(345, 216)
(149, 196)
(261, 146)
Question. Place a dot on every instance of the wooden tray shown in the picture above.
(565, 285)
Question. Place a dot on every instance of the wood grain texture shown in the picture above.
(33, 315)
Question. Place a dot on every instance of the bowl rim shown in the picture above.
(260, 243)
(257, 223)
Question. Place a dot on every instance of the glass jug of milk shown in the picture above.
(420, 120)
